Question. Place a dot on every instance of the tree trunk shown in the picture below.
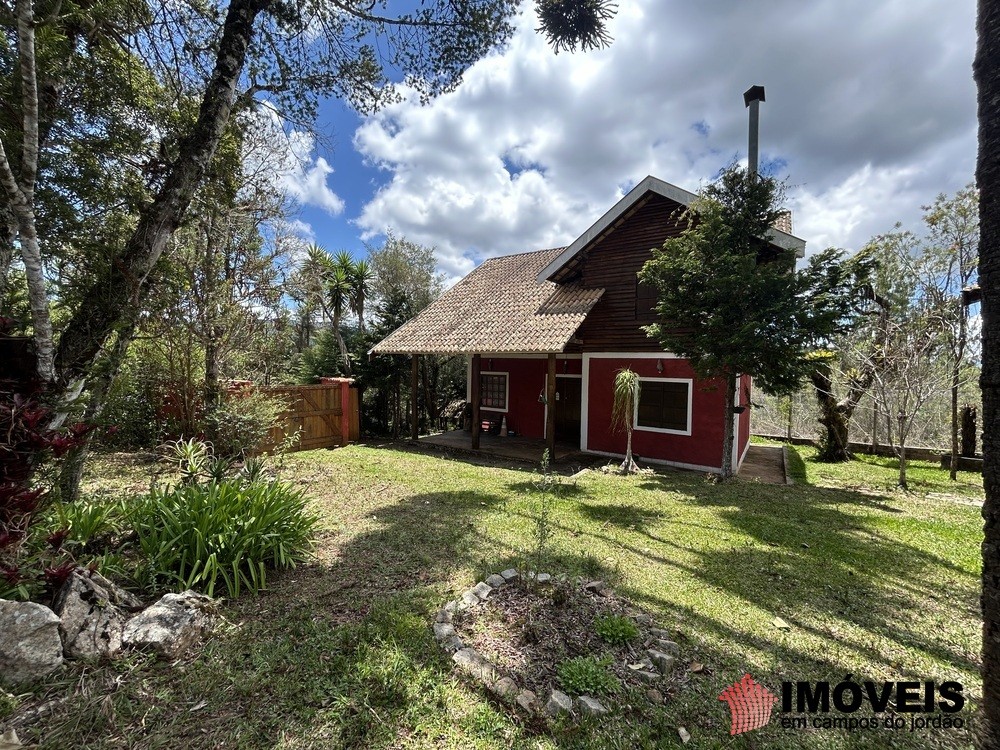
(902, 466)
(985, 68)
(211, 374)
(728, 434)
(71, 471)
(834, 416)
(124, 286)
(8, 228)
(344, 358)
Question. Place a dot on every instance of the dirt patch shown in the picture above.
(527, 631)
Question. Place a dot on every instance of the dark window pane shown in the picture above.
(493, 391)
(663, 405)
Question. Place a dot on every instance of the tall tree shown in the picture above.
(985, 67)
(732, 304)
(949, 266)
(231, 58)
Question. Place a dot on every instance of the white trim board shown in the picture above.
(675, 464)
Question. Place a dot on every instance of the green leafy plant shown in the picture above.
(192, 457)
(587, 675)
(626, 395)
(241, 424)
(253, 470)
(616, 629)
(193, 535)
(89, 518)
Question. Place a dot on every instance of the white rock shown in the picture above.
(496, 581)
(666, 646)
(30, 646)
(527, 700)
(92, 612)
(172, 625)
(443, 630)
(509, 575)
(506, 688)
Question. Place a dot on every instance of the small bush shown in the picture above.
(586, 675)
(240, 425)
(88, 519)
(616, 629)
(193, 535)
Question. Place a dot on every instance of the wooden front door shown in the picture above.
(568, 392)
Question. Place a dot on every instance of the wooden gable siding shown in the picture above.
(612, 262)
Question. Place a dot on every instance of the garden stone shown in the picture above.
(469, 599)
(663, 662)
(591, 706)
(452, 643)
(506, 688)
(527, 700)
(443, 630)
(482, 590)
(666, 646)
(451, 607)
(658, 633)
(647, 676)
(509, 575)
(684, 734)
(444, 615)
(655, 696)
(543, 578)
(496, 581)
(30, 646)
(644, 619)
(473, 663)
(92, 613)
(594, 586)
(170, 626)
(559, 703)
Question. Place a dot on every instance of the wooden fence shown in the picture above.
(327, 414)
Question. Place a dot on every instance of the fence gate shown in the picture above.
(327, 414)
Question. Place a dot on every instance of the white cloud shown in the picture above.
(870, 112)
(289, 160)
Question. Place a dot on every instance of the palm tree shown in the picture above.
(626, 396)
(338, 290)
(361, 276)
(985, 69)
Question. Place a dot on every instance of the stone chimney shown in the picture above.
(784, 222)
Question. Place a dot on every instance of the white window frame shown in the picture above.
(506, 391)
(690, 402)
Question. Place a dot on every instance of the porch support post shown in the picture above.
(414, 393)
(550, 412)
(477, 366)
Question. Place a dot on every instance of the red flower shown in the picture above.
(57, 575)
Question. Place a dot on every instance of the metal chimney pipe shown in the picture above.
(752, 98)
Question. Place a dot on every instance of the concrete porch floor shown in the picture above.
(518, 448)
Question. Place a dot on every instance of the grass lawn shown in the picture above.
(870, 581)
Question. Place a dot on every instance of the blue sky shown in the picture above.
(870, 113)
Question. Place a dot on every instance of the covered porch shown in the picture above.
(518, 448)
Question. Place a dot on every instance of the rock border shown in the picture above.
(659, 662)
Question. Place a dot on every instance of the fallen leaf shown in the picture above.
(197, 707)
(697, 666)
(9, 741)
(780, 624)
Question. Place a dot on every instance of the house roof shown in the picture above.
(560, 267)
(501, 307)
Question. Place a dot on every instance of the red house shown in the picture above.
(545, 332)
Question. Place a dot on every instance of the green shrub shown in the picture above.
(586, 675)
(90, 518)
(240, 425)
(616, 629)
(193, 535)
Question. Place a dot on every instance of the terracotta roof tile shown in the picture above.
(500, 307)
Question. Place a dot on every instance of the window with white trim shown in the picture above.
(664, 405)
(493, 391)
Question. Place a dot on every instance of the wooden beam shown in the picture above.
(477, 366)
(550, 412)
(414, 393)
